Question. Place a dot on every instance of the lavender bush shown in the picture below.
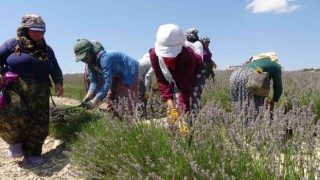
(303, 86)
(221, 144)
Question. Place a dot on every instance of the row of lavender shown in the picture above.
(282, 144)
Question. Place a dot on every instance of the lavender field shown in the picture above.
(271, 145)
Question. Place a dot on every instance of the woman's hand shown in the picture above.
(59, 89)
(146, 96)
(169, 104)
(88, 97)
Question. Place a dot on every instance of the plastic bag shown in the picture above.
(8, 77)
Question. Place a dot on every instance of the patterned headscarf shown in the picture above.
(192, 35)
(269, 55)
(25, 42)
(34, 22)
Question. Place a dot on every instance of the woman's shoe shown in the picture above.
(15, 150)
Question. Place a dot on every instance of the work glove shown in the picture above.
(173, 115)
(183, 128)
(88, 97)
(91, 104)
(146, 96)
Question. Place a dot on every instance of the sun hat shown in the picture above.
(169, 40)
(81, 48)
(97, 46)
(33, 22)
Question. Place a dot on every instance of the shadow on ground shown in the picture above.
(55, 160)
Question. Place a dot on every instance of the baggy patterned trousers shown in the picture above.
(25, 115)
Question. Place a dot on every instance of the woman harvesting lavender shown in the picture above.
(241, 97)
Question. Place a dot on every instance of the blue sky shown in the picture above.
(238, 29)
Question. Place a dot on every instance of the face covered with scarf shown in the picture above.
(88, 58)
(84, 51)
(30, 37)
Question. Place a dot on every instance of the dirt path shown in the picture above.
(56, 165)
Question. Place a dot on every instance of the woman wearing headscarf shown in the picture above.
(209, 64)
(241, 96)
(97, 47)
(24, 119)
(119, 75)
(193, 41)
(177, 69)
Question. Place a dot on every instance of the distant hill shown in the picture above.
(311, 69)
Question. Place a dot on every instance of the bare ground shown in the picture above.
(57, 165)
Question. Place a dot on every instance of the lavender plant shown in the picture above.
(304, 86)
(222, 144)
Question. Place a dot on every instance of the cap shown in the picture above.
(81, 48)
(38, 29)
(169, 40)
(33, 22)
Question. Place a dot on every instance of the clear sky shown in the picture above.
(238, 29)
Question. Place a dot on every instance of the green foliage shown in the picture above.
(218, 91)
(302, 87)
(71, 125)
(73, 86)
(316, 109)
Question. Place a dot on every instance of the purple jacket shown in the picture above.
(184, 74)
(207, 55)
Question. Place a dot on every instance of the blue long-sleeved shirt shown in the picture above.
(29, 66)
(112, 63)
